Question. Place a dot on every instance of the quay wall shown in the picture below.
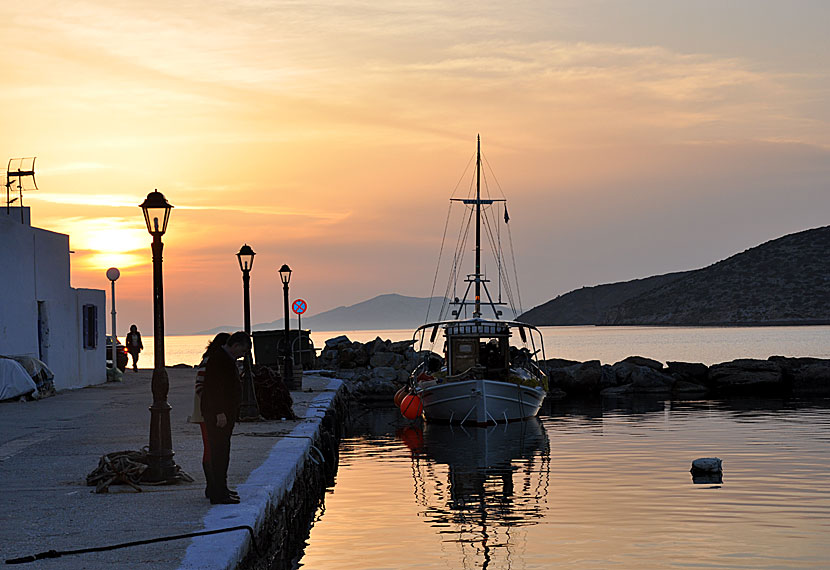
(287, 489)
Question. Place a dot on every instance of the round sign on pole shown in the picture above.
(113, 273)
(299, 306)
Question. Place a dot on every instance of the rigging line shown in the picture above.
(463, 174)
(515, 272)
(494, 175)
(507, 286)
(458, 258)
(438, 267)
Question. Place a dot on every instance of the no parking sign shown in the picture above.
(299, 306)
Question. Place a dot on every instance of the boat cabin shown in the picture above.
(480, 346)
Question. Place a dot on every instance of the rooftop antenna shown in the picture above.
(17, 171)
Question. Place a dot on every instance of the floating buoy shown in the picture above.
(399, 396)
(411, 406)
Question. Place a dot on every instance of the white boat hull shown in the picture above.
(479, 401)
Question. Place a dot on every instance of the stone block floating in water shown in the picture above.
(707, 470)
(707, 465)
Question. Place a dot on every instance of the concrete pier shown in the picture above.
(48, 447)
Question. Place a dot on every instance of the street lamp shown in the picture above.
(285, 277)
(160, 457)
(113, 274)
(248, 409)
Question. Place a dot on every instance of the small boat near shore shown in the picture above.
(488, 372)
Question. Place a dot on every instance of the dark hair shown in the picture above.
(217, 341)
(239, 337)
(133, 328)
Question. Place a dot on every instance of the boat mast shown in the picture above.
(477, 312)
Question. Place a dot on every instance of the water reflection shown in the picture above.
(496, 481)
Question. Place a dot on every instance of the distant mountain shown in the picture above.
(783, 281)
(390, 311)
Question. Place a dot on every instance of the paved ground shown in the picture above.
(48, 447)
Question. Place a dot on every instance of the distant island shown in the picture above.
(390, 311)
(785, 281)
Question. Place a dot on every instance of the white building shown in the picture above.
(41, 315)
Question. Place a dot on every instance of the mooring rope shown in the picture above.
(58, 554)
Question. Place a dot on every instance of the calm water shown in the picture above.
(584, 488)
(607, 344)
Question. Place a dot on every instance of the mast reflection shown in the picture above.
(480, 485)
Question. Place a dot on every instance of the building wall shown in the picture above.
(37, 287)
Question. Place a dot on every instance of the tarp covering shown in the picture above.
(14, 380)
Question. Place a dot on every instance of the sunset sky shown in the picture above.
(631, 138)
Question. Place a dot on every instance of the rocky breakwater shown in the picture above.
(373, 370)
(639, 376)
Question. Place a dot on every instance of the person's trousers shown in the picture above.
(219, 440)
(206, 460)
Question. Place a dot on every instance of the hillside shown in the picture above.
(783, 281)
(589, 305)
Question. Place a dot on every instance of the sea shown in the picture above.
(709, 345)
(600, 484)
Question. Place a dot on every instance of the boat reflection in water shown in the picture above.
(495, 482)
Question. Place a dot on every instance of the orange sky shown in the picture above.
(631, 138)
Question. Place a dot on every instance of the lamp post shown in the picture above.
(285, 277)
(160, 457)
(113, 274)
(248, 409)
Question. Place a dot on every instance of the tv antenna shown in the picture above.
(17, 173)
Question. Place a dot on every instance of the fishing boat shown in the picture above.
(488, 370)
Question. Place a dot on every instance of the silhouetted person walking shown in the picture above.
(134, 345)
(221, 395)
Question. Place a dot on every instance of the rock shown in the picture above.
(380, 359)
(553, 363)
(707, 465)
(747, 376)
(681, 387)
(337, 341)
(401, 346)
(361, 355)
(346, 358)
(643, 361)
(375, 346)
(386, 373)
(623, 371)
(608, 378)
(555, 393)
(581, 378)
(616, 391)
(646, 380)
(688, 371)
(805, 375)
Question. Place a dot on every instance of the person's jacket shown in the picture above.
(222, 389)
(134, 337)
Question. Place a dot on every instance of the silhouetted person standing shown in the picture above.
(221, 395)
(134, 345)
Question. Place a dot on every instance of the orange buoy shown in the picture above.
(399, 396)
(411, 407)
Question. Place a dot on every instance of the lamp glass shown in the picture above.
(246, 257)
(285, 274)
(156, 212)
